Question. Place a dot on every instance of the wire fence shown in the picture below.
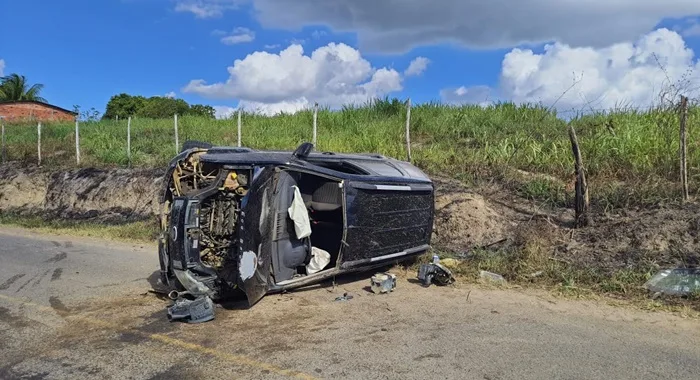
(176, 125)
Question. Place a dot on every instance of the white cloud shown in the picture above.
(238, 36)
(584, 78)
(224, 112)
(476, 23)
(417, 66)
(272, 46)
(171, 95)
(207, 8)
(331, 75)
(2, 67)
(482, 95)
(288, 107)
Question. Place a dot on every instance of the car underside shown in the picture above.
(237, 219)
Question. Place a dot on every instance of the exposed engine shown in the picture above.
(220, 192)
(218, 221)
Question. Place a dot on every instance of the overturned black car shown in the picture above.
(265, 221)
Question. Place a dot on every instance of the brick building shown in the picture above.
(22, 111)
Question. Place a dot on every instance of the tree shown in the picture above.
(202, 110)
(123, 106)
(155, 107)
(14, 87)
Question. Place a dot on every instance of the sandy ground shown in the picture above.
(81, 308)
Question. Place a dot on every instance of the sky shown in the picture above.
(281, 55)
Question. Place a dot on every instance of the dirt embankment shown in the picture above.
(465, 218)
(107, 195)
(638, 240)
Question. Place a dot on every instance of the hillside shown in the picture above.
(631, 156)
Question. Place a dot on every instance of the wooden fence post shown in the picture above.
(315, 123)
(128, 140)
(582, 205)
(4, 155)
(408, 129)
(683, 149)
(77, 142)
(38, 143)
(177, 141)
(239, 127)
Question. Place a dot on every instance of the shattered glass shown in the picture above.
(675, 282)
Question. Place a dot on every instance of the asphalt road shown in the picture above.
(79, 308)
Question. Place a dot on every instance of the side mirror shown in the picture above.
(303, 150)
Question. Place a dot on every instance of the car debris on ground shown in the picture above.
(383, 283)
(344, 297)
(435, 273)
(199, 310)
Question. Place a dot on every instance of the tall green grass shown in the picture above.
(469, 142)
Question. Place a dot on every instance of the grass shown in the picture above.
(137, 232)
(630, 156)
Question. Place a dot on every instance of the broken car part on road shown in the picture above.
(434, 273)
(199, 310)
(383, 283)
(265, 221)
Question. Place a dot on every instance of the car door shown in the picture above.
(255, 234)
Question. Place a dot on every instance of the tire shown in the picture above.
(190, 144)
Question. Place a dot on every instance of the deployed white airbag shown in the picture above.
(319, 260)
(300, 216)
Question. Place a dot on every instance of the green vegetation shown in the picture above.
(140, 232)
(631, 156)
(14, 87)
(156, 107)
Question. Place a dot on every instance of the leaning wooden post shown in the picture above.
(38, 143)
(408, 129)
(239, 127)
(583, 217)
(77, 142)
(177, 141)
(128, 141)
(315, 123)
(683, 149)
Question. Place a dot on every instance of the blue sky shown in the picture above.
(85, 51)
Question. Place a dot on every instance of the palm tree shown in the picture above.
(14, 87)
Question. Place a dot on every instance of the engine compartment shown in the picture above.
(219, 192)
